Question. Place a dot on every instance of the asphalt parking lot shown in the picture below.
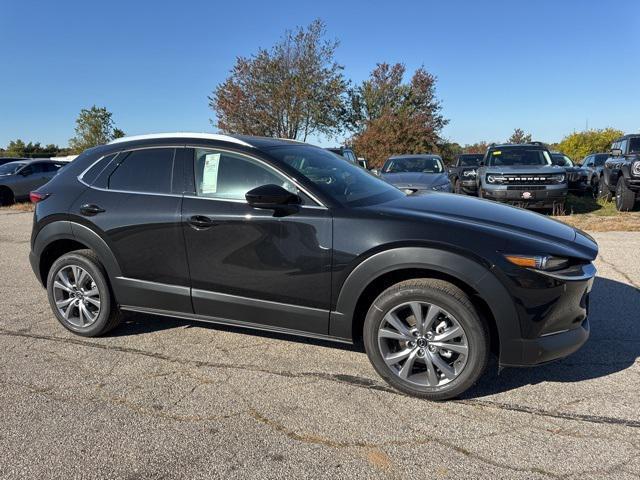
(165, 398)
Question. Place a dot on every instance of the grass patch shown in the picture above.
(19, 207)
(597, 215)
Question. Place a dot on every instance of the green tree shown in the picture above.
(478, 147)
(518, 136)
(117, 133)
(293, 90)
(580, 144)
(15, 148)
(94, 126)
(391, 117)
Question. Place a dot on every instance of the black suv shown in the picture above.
(283, 236)
(463, 174)
(621, 173)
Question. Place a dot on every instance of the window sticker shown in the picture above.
(210, 173)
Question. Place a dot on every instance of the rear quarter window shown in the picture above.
(143, 171)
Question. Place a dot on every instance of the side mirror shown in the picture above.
(271, 197)
(481, 164)
(616, 152)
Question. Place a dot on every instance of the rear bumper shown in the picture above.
(34, 260)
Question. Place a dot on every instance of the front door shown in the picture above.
(252, 265)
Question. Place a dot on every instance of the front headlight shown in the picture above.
(557, 178)
(469, 173)
(538, 262)
(495, 178)
(635, 168)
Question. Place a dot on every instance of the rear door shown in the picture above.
(253, 265)
(134, 204)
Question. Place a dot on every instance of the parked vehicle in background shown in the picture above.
(4, 160)
(416, 174)
(621, 173)
(593, 164)
(319, 248)
(349, 155)
(577, 176)
(462, 174)
(18, 179)
(523, 175)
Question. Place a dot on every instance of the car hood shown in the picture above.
(415, 179)
(525, 169)
(493, 216)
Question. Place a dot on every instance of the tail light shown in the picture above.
(36, 197)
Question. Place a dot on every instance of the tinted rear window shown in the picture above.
(97, 168)
(147, 171)
(470, 160)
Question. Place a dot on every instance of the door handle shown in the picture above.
(200, 222)
(89, 209)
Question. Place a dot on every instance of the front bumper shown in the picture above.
(527, 196)
(553, 313)
(633, 184)
(469, 187)
(579, 186)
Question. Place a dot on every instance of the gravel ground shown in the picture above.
(164, 398)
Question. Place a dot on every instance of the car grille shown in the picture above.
(573, 176)
(527, 180)
(529, 187)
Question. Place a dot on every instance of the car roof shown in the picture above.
(519, 145)
(415, 155)
(627, 136)
(244, 140)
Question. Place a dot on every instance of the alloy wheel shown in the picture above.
(77, 296)
(423, 344)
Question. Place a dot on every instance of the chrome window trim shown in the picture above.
(268, 166)
(319, 206)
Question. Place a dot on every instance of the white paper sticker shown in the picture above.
(210, 173)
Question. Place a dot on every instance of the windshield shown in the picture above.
(413, 164)
(561, 160)
(342, 181)
(11, 167)
(470, 160)
(518, 156)
(600, 159)
(634, 145)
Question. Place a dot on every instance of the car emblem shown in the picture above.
(526, 195)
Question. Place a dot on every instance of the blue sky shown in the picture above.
(548, 67)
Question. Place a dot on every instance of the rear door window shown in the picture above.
(143, 171)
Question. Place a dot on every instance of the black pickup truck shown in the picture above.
(621, 173)
(462, 175)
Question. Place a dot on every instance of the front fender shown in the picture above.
(466, 270)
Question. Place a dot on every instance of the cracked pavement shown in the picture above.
(169, 398)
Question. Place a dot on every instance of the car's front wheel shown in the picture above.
(425, 338)
(79, 294)
(625, 198)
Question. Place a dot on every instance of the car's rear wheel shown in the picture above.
(80, 296)
(625, 198)
(603, 190)
(425, 338)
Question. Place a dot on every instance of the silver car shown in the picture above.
(19, 178)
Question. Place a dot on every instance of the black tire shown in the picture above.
(6, 197)
(109, 315)
(625, 198)
(457, 187)
(594, 187)
(455, 302)
(603, 190)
